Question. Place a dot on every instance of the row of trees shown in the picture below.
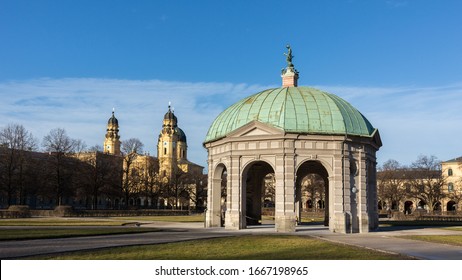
(66, 170)
(424, 180)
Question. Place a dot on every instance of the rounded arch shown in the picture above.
(218, 170)
(451, 206)
(218, 192)
(408, 207)
(437, 207)
(317, 189)
(322, 162)
(253, 189)
(422, 205)
(250, 163)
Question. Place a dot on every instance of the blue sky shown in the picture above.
(68, 63)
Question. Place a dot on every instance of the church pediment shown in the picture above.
(255, 128)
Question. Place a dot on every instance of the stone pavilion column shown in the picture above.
(285, 218)
(213, 213)
(235, 214)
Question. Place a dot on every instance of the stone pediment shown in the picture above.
(255, 128)
(376, 138)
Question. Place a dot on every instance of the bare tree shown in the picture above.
(177, 188)
(79, 146)
(151, 182)
(391, 183)
(428, 181)
(15, 142)
(98, 176)
(132, 145)
(58, 144)
(193, 186)
(130, 149)
(96, 148)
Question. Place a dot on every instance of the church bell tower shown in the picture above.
(112, 142)
(172, 147)
(167, 145)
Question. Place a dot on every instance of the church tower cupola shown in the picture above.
(170, 120)
(112, 140)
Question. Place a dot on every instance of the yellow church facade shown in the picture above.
(153, 182)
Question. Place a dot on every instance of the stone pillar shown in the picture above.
(235, 214)
(340, 215)
(363, 217)
(213, 214)
(285, 218)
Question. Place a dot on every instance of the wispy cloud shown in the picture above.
(411, 120)
(83, 106)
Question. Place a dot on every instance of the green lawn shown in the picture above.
(454, 228)
(420, 223)
(267, 247)
(177, 219)
(444, 239)
(42, 233)
(60, 222)
(105, 221)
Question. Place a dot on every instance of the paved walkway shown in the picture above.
(382, 240)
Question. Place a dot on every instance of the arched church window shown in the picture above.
(450, 172)
(450, 187)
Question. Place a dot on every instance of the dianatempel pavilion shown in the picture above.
(292, 131)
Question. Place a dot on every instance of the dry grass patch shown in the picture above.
(60, 222)
(269, 247)
(177, 219)
(44, 233)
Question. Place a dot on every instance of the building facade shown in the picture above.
(153, 178)
(413, 190)
(452, 172)
(107, 179)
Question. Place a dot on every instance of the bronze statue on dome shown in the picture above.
(289, 56)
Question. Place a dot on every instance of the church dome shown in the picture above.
(170, 116)
(293, 109)
(181, 134)
(113, 120)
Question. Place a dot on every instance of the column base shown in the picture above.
(234, 220)
(285, 223)
(212, 219)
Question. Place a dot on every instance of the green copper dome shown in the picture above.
(293, 109)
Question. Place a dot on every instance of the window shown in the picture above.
(449, 172)
(450, 187)
(165, 151)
